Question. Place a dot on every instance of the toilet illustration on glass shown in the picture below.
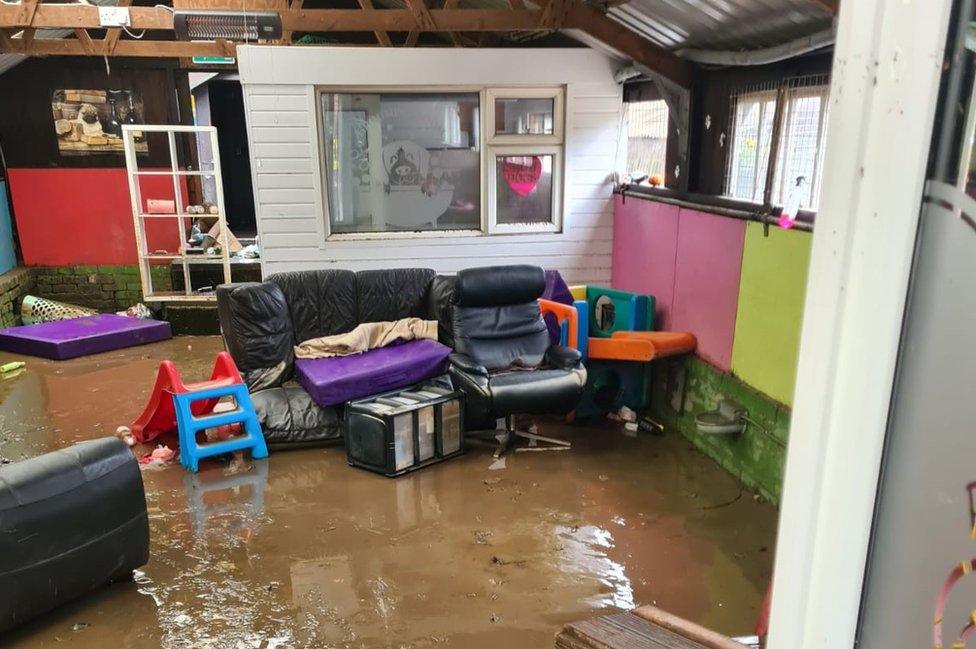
(417, 191)
(959, 571)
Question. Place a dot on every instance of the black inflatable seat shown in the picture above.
(70, 521)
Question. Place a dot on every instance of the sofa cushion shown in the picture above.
(336, 380)
(387, 295)
(439, 299)
(257, 331)
(289, 418)
(320, 302)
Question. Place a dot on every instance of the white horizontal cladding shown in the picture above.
(355, 66)
(280, 87)
(575, 270)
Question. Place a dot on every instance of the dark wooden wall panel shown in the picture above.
(26, 125)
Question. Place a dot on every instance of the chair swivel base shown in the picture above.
(510, 432)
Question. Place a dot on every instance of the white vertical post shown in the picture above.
(178, 205)
(221, 213)
(135, 199)
(887, 67)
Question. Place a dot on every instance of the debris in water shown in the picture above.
(125, 434)
(481, 537)
(494, 618)
(78, 626)
(497, 464)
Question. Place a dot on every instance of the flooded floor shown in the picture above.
(302, 550)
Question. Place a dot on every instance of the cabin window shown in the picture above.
(647, 139)
(782, 125)
(402, 162)
(470, 161)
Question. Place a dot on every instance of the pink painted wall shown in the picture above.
(689, 261)
(644, 251)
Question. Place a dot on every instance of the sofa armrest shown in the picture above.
(562, 358)
(467, 364)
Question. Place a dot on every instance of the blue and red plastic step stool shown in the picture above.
(189, 408)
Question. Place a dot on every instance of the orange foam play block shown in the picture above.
(641, 346)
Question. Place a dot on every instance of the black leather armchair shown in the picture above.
(503, 359)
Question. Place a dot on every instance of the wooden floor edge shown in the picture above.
(683, 627)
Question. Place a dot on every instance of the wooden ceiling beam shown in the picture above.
(832, 6)
(295, 5)
(73, 16)
(166, 49)
(112, 34)
(381, 36)
(557, 14)
(86, 40)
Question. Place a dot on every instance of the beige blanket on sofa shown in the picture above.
(369, 335)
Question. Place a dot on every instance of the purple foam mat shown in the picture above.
(331, 381)
(82, 336)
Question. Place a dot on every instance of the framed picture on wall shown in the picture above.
(89, 122)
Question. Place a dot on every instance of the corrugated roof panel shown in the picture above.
(722, 24)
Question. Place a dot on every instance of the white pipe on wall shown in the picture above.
(800, 46)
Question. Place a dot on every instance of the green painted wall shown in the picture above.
(772, 290)
(758, 456)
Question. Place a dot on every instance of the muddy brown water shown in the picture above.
(302, 550)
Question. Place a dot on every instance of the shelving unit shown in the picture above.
(180, 218)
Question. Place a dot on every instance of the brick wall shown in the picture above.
(13, 286)
(106, 288)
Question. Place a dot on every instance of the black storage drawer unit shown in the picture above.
(403, 430)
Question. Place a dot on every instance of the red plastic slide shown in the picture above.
(159, 416)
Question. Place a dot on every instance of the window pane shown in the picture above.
(798, 168)
(402, 162)
(524, 116)
(523, 189)
(752, 136)
(647, 137)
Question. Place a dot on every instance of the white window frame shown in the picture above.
(554, 93)
(491, 144)
(555, 225)
(775, 157)
(760, 97)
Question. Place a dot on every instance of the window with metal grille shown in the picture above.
(783, 125)
(647, 137)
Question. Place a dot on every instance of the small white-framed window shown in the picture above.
(525, 188)
(524, 159)
(525, 115)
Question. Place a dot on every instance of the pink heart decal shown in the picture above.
(522, 173)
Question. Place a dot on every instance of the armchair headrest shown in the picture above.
(499, 285)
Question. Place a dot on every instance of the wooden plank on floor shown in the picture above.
(621, 631)
(646, 627)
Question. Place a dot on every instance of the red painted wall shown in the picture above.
(70, 217)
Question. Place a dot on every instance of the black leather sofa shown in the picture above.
(261, 322)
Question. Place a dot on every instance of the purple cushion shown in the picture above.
(82, 336)
(556, 291)
(331, 381)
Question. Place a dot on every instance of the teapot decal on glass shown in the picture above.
(403, 170)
